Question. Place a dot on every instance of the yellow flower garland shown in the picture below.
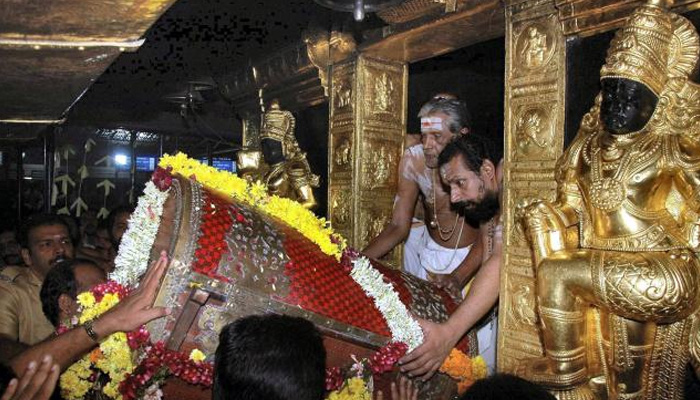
(113, 357)
(255, 195)
(354, 389)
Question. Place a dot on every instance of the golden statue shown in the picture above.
(285, 171)
(616, 254)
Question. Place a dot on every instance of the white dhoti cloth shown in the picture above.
(437, 259)
(411, 251)
(422, 255)
(487, 336)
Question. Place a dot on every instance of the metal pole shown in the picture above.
(210, 161)
(49, 151)
(161, 140)
(20, 177)
(132, 168)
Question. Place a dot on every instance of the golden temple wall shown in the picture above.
(365, 141)
(534, 126)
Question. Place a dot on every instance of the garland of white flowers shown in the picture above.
(135, 247)
(402, 326)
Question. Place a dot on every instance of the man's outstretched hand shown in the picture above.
(129, 314)
(426, 359)
(137, 308)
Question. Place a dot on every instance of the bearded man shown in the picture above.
(469, 167)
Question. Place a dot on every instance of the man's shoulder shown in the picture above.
(414, 151)
(11, 274)
(413, 163)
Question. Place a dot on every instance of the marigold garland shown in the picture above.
(463, 369)
(112, 358)
(115, 358)
(354, 389)
(255, 195)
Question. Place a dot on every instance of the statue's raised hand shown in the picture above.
(545, 228)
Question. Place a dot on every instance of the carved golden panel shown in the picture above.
(535, 88)
(342, 94)
(342, 154)
(380, 164)
(384, 100)
(521, 310)
(534, 132)
(343, 91)
(373, 220)
(517, 202)
(534, 47)
(383, 92)
(367, 126)
(340, 203)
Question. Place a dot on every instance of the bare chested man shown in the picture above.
(448, 237)
(469, 167)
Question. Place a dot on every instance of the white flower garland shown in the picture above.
(402, 326)
(135, 248)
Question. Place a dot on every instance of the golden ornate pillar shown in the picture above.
(251, 130)
(534, 126)
(366, 133)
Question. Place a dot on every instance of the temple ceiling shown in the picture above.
(133, 64)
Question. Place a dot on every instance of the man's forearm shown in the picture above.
(65, 349)
(389, 238)
(470, 264)
(10, 348)
(482, 296)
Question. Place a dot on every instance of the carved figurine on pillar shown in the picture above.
(619, 247)
(285, 171)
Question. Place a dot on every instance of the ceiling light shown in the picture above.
(120, 159)
(358, 7)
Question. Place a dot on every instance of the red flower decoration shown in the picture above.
(159, 363)
(349, 255)
(334, 378)
(138, 338)
(385, 359)
(109, 287)
(162, 178)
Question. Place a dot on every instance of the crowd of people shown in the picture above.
(451, 175)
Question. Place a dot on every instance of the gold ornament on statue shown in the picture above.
(286, 171)
(619, 247)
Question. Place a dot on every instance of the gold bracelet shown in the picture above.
(90, 330)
